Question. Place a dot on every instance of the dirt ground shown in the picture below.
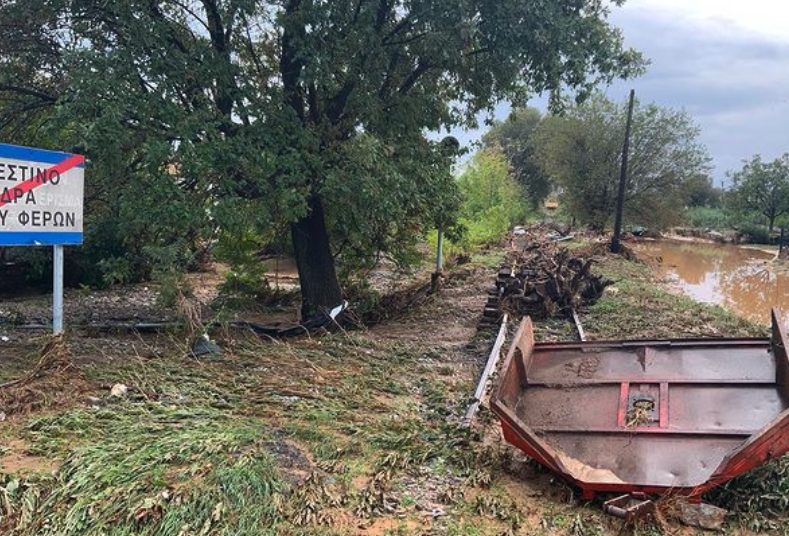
(361, 427)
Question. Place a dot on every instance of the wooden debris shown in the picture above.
(544, 280)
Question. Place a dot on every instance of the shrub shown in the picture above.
(707, 218)
(757, 234)
(493, 202)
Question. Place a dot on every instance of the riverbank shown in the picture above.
(642, 305)
(773, 250)
(349, 434)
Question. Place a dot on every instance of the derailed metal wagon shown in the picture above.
(653, 416)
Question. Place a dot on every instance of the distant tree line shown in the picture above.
(576, 156)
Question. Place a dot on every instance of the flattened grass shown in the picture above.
(188, 452)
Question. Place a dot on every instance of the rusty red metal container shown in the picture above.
(653, 416)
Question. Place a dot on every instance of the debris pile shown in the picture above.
(544, 280)
(43, 386)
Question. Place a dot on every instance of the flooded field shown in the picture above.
(743, 280)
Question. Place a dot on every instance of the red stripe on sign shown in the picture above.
(39, 180)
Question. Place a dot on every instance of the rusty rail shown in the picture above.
(493, 360)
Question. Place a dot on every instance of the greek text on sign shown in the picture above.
(41, 197)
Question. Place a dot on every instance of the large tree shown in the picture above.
(700, 192)
(762, 188)
(582, 152)
(514, 137)
(305, 111)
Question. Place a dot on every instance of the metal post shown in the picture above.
(57, 291)
(616, 245)
(440, 252)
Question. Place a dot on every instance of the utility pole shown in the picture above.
(616, 244)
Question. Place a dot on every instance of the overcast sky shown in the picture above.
(725, 62)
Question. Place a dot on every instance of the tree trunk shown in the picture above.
(772, 223)
(320, 289)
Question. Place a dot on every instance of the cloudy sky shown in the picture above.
(725, 62)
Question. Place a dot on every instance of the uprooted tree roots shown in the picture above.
(545, 280)
(44, 385)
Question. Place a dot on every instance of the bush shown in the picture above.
(757, 234)
(488, 228)
(493, 202)
(707, 218)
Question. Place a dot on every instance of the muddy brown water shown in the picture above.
(746, 281)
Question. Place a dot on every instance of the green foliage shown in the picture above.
(248, 282)
(514, 138)
(761, 494)
(490, 227)
(699, 192)
(115, 270)
(762, 188)
(757, 234)
(708, 218)
(382, 211)
(582, 152)
(278, 108)
(241, 252)
(492, 200)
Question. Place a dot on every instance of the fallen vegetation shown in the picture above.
(350, 433)
(42, 386)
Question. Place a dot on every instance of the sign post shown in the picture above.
(440, 252)
(41, 204)
(57, 290)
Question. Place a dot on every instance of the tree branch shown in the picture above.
(421, 68)
(337, 105)
(28, 91)
(291, 65)
(191, 12)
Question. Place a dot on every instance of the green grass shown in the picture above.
(148, 469)
(492, 258)
(637, 307)
(190, 452)
(187, 453)
(708, 218)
